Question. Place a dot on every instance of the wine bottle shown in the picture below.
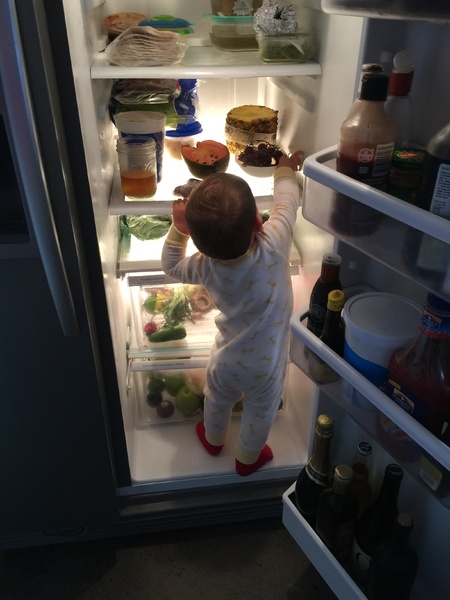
(360, 486)
(326, 283)
(313, 478)
(419, 375)
(337, 513)
(332, 335)
(394, 564)
(376, 523)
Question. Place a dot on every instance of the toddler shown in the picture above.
(244, 266)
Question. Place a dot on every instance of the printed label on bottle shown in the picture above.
(370, 164)
(360, 563)
(319, 478)
(407, 400)
(432, 255)
(440, 201)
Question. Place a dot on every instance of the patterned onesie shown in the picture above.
(254, 296)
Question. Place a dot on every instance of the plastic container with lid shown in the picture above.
(229, 8)
(182, 136)
(233, 34)
(376, 325)
(296, 47)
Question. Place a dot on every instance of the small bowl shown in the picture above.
(255, 171)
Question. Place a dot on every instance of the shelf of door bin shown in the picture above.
(332, 571)
(412, 241)
(420, 453)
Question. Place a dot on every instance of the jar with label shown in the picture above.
(137, 164)
(406, 173)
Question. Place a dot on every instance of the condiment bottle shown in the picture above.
(365, 147)
(376, 523)
(419, 375)
(399, 105)
(406, 173)
(326, 283)
(426, 253)
(333, 336)
(394, 564)
(313, 478)
(366, 140)
(360, 486)
(337, 513)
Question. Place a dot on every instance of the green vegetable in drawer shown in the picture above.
(166, 334)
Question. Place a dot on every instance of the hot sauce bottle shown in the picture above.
(419, 375)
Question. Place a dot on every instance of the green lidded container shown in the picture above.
(405, 173)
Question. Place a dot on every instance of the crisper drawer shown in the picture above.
(167, 391)
(171, 390)
(187, 309)
(412, 241)
(423, 455)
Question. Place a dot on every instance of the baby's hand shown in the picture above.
(179, 207)
(294, 161)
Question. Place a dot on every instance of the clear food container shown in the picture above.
(233, 34)
(171, 319)
(297, 47)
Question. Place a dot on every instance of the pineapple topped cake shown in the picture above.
(250, 123)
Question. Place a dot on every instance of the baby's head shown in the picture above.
(221, 216)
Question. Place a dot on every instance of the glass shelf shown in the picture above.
(421, 453)
(393, 230)
(206, 62)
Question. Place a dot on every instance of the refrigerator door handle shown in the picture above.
(47, 241)
(28, 163)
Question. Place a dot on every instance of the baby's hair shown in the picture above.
(220, 215)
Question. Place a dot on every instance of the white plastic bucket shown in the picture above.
(376, 325)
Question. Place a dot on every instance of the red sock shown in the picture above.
(214, 450)
(264, 456)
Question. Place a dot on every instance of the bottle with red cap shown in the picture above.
(399, 104)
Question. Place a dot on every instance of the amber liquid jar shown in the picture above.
(137, 164)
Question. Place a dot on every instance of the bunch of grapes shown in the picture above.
(261, 155)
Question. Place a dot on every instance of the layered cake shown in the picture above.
(250, 123)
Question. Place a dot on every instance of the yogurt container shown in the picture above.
(376, 325)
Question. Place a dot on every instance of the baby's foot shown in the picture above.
(264, 456)
(214, 450)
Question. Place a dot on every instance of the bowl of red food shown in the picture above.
(259, 159)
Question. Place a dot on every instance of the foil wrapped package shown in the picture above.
(275, 18)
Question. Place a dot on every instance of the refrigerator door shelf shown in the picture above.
(421, 453)
(207, 62)
(392, 230)
(330, 569)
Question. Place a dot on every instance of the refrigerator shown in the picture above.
(82, 455)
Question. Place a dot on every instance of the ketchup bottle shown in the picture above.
(419, 375)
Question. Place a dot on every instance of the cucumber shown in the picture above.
(166, 334)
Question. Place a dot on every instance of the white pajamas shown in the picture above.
(254, 296)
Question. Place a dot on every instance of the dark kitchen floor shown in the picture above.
(256, 560)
